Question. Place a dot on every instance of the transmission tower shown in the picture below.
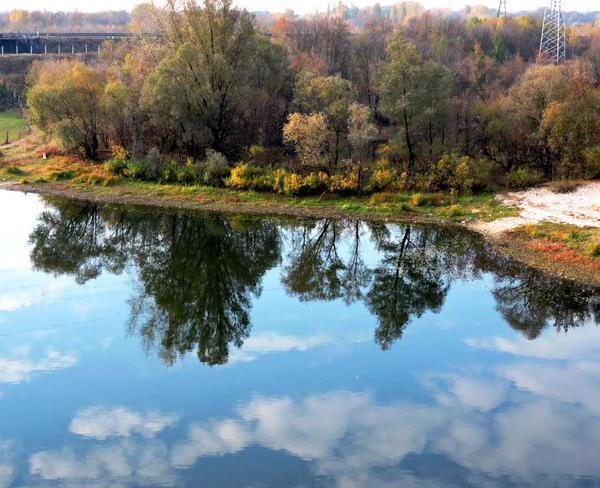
(502, 9)
(553, 45)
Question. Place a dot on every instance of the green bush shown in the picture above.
(135, 169)
(116, 166)
(214, 169)
(169, 172)
(154, 165)
(460, 174)
(63, 175)
(522, 178)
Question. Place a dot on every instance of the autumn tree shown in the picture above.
(572, 127)
(309, 135)
(332, 96)
(361, 130)
(67, 99)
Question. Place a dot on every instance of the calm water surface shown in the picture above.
(149, 348)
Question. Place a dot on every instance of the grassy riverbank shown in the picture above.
(558, 249)
(12, 126)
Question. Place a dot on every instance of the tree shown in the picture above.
(361, 130)
(572, 127)
(199, 87)
(511, 132)
(66, 99)
(412, 94)
(330, 95)
(309, 134)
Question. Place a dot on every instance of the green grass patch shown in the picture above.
(12, 126)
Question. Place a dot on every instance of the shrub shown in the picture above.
(417, 200)
(522, 178)
(594, 250)
(13, 170)
(344, 183)
(214, 169)
(563, 186)
(135, 169)
(63, 175)
(383, 178)
(120, 153)
(460, 174)
(154, 163)
(169, 172)
(115, 166)
(247, 177)
(294, 184)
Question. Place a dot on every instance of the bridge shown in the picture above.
(17, 43)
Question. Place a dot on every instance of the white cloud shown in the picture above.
(49, 293)
(476, 393)
(575, 382)
(122, 463)
(271, 342)
(578, 343)
(102, 422)
(19, 369)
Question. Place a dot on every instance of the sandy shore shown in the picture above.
(580, 207)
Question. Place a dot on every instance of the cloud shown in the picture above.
(466, 391)
(270, 342)
(7, 468)
(577, 343)
(103, 422)
(121, 463)
(575, 382)
(11, 301)
(19, 369)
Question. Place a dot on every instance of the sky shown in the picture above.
(280, 5)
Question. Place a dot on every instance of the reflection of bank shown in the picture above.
(197, 274)
(479, 429)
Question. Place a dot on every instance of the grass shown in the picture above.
(12, 126)
(563, 243)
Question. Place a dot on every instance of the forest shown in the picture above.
(307, 105)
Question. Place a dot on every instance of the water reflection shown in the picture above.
(196, 275)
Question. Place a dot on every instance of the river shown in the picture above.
(147, 347)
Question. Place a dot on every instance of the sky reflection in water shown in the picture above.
(147, 348)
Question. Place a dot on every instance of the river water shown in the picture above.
(143, 347)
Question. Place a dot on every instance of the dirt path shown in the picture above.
(580, 207)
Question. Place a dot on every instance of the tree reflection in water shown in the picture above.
(197, 274)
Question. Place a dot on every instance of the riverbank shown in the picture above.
(564, 247)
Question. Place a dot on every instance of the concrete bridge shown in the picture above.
(17, 43)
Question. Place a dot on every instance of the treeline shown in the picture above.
(42, 20)
(306, 106)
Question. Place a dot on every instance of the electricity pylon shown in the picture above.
(553, 44)
(502, 9)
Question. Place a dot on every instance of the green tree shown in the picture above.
(200, 86)
(414, 95)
